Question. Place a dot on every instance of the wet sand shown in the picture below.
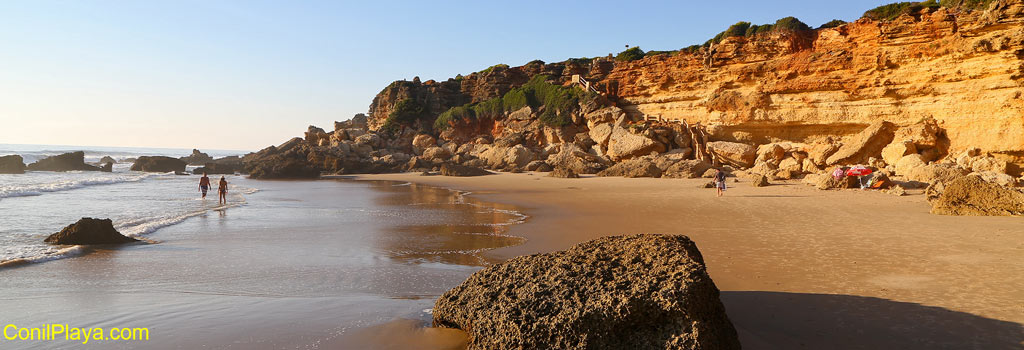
(798, 267)
(304, 264)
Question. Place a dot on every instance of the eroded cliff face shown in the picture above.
(962, 68)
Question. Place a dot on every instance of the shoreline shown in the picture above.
(881, 263)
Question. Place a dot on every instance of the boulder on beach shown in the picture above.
(449, 169)
(733, 153)
(64, 162)
(620, 292)
(972, 195)
(866, 144)
(828, 182)
(687, 169)
(159, 164)
(12, 164)
(89, 231)
(759, 180)
(564, 173)
(637, 167)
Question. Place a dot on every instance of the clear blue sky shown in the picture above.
(246, 74)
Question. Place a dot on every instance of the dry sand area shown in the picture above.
(798, 267)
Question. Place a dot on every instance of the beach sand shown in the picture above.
(798, 267)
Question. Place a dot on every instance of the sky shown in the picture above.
(242, 75)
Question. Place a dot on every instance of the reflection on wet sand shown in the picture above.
(450, 227)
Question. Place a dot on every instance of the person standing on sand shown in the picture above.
(204, 184)
(720, 181)
(223, 190)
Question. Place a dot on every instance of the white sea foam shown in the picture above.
(64, 183)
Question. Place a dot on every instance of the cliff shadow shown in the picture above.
(776, 320)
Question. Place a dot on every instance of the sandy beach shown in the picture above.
(798, 267)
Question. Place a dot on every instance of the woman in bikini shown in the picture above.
(223, 190)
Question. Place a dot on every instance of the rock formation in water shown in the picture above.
(12, 164)
(65, 162)
(107, 159)
(89, 231)
(159, 164)
(623, 292)
(226, 165)
(197, 158)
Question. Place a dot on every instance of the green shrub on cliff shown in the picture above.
(630, 54)
(790, 23)
(404, 113)
(967, 4)
(745, 29)
(498, 67)
(832, 24)
(893, 10)
(558, 102)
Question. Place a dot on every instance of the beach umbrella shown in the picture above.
(858, 170)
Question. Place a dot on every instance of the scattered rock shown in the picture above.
(827, 182)
(625, 145)
(158, 164)
(896, 190)
(996, 178)
(437, 153)
(638, 167)
(12, 164)
(64, 162)
(449, 169)
(622, 292)
(759, 180)
(107, 168)
(89, 231)
(733, 153)
(564, 173)
(908, 162)
(107, 159)
(538, 165)
(898, 149)
(934, 173)
(971, 195)
(421, 142)
(687, 169)
(868, 143)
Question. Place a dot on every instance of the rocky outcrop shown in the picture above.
(65, 162)
(971, 195)
(633, 168)
(12, 164)
(449, 169)
(687, 169)
(89, 231)
(197, 158)
(758, 180)
(159, 164)
(107, 168)
(107, 159)
(622, 292)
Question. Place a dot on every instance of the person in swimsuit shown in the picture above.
(204, 185)
(223, 190)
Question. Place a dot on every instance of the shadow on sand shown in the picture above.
(775, 320)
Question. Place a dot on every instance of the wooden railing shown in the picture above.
(577, 79)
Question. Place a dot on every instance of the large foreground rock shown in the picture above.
(12, 164)
(89, 231)
(624, 292)
(64, 162)
(971, 195)
(158, 164)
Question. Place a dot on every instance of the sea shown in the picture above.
(315, 264)
(38, 203)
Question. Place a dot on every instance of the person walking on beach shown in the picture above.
(720, 181)
(204, 185)
(223, 190)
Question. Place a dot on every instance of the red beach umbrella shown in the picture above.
(858, 170)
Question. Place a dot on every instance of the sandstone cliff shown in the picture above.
(962, 68)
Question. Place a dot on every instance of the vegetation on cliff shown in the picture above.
(558, 103)
(406, 112)
(745, 29)
(630, 54)
(896, 9)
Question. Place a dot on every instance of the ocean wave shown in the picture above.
(36, 189)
